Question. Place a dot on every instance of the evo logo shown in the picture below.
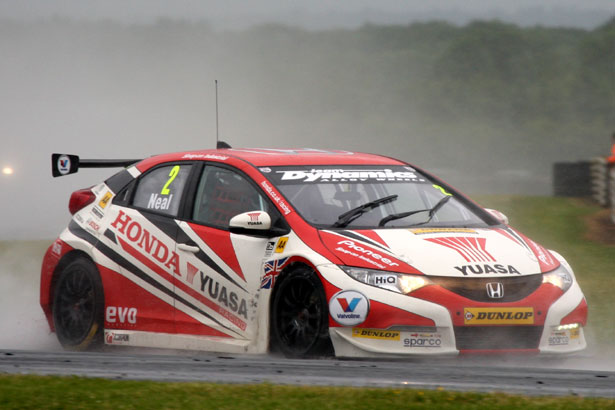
(121, 315)
(349, 307)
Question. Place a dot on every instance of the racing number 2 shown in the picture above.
(173, 175)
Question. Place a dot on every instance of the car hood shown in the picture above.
(461, 252)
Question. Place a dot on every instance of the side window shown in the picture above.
(123, 197)
(161, 189)
(222, 194)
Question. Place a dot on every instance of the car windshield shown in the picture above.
(367, 197)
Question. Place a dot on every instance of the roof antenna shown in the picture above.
(216, 82)
(219, 144)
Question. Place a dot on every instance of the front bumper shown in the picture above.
(447, 333)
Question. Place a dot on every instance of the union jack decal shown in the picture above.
(470, 248)
(272, 270)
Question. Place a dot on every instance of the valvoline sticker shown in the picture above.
(349, 307)
(354, 252)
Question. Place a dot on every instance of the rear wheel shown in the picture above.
(299, 316)
(78, 306)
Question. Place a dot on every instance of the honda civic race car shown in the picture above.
(305, 252)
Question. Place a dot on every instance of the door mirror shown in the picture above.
(498, 215)
(255, 223)
(251, 221)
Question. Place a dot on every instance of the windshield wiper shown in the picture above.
(347, 217)
(432, 212)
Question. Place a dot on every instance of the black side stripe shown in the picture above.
(518, 238)
(202, 256)
(109, 234)
(78, 231)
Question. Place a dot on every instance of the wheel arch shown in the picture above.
(296, 263)
(66, 260)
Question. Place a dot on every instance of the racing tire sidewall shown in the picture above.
(78, 292)
(319, 343)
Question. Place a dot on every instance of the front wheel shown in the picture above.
(299, 315)
(78, 306)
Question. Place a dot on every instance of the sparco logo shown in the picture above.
(348, 307)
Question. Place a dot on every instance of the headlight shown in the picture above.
(560, 277)
(396, 282)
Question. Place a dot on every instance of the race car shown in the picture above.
(306, 252)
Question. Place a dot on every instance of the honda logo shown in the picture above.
(495, 290)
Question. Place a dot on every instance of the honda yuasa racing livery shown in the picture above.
(304, 252)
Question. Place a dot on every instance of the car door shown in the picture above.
(143, 234)
(222, 273)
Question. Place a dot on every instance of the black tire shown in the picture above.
(78, 306)
(300, 316)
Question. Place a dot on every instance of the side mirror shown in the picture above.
(255, 223)
(498, 215)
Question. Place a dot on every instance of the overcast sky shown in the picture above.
(317, 14)
(96, 98)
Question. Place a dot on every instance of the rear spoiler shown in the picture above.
(65, 164)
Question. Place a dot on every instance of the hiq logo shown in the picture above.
(349, 307)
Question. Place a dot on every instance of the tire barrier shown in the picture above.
(600, 181)
(572, 179)
(594, 179)
(612, 191)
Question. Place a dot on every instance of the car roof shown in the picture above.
(261, 157)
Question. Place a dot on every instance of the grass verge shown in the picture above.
(562, 224)
(556, 223)
(42, 392)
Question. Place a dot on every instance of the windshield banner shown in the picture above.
(345, 174)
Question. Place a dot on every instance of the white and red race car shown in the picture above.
(307, 252)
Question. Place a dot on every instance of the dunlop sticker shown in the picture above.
(375, 333)
(498, 316)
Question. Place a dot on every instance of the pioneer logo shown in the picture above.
(360, 252)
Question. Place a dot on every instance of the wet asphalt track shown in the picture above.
(484, 375)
